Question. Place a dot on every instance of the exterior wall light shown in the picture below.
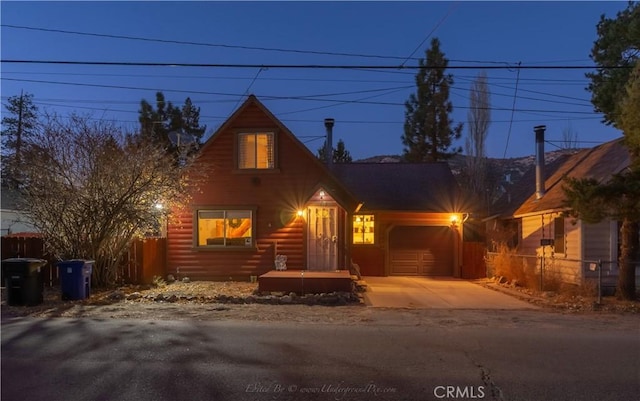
(455, 220)
(300, 213)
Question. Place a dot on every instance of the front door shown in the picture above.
(322, 245)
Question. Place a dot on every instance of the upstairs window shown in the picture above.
(256, 150)
(363, 229)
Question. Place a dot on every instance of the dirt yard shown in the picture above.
(238, 300)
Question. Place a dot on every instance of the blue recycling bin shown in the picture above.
(23, 281)
(75, 278)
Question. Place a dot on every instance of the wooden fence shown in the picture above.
(473, 263)
(145, 259)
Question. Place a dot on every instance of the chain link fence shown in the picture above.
(548, 273)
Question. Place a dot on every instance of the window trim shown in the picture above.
(375, 236)
(196, 228)
(236, 154)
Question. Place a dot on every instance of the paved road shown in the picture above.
(435, 293)
(511, 355)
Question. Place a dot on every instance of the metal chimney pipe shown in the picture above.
(328, 146)
(540, 174)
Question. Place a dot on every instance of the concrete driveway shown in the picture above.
(435, 293)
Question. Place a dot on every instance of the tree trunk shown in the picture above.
(629, 258)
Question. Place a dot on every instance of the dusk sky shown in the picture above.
(366, 103)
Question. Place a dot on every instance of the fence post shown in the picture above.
(542, 273)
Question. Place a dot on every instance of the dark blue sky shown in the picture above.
(367, 104)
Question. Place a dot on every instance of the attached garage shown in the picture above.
(403, 225)
(421, 251)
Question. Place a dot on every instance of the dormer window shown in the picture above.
(256, 150)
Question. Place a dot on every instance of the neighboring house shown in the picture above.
(263, 194)
(13, 220)
(534, 207)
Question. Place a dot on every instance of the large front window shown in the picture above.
(225, 228)
(363, 229)
(256, 150)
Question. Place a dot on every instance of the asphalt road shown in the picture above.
(507, 355)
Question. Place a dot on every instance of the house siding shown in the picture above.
(597, 241)
(275, 195)
(565, 266)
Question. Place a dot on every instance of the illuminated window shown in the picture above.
(225, 228)
(558, 235)
(363, 229)
(256, 150)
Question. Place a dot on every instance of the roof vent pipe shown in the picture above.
(540, 175)
(328, 146)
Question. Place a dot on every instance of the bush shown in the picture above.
(515, 268)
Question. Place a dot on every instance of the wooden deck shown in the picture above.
(305, 282)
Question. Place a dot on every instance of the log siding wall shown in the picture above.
(275, 194)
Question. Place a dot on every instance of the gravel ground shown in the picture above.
(224, 300)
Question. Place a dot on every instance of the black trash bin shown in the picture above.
(75, 278)
(23, 281)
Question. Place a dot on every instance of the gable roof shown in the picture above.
(341, 193)
(600, 163)
(425, 187)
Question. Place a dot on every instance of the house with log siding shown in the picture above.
(262, 193)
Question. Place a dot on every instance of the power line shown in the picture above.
(303, 97)
(536, 92)
(513, 109)
(533, 81)
(311, 66)
(453, 6)
(180, 42)
(530, 98)
(242, 47)
(46, 102)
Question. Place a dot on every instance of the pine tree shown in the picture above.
(340, 154)
(615, 94)
(176, 129)
(428, 133)
(17, 127)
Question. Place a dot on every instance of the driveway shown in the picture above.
(435, 293)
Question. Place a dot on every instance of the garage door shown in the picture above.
(421, 251)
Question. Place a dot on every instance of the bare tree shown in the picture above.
(478, 120)
(569, 137)
(92, 189)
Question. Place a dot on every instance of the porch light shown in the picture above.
(322, 194)
(455, 220)
(300, 213)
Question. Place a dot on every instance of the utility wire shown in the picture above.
(273, 49)
(453, 6)
(311, 66)
(247, 90)
(533, 81)
(307, 98)
(513, 109)
(180, 42)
